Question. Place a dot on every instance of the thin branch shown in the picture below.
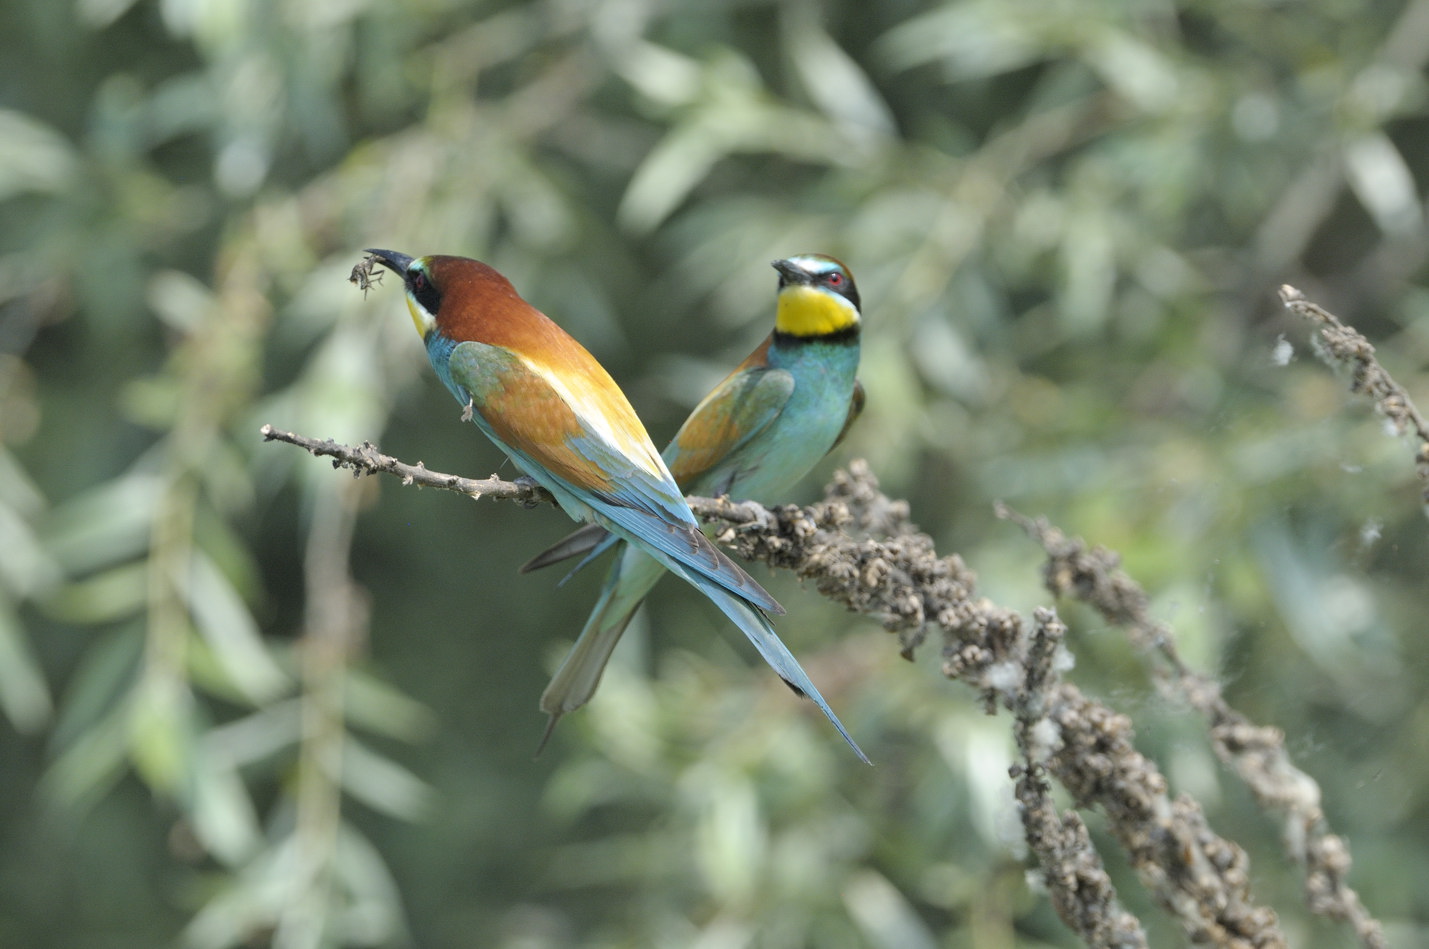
(1344, 346)
(365, 459)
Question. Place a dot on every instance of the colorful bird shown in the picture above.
(555, 411)
(761, 430)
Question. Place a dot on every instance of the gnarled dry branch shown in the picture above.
(1256, 753)
(1346, 347)
(859, 548)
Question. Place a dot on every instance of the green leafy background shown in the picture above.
(246, 700)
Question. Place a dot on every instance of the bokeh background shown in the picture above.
(246, 700)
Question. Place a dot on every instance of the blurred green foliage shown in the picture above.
(250, 701)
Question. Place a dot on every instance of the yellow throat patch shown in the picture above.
(807, 311)
(420, 318)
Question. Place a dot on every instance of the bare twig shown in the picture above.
(366, 460)
(1345, 346)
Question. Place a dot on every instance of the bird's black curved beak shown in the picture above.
(788, 271)
(393, 261)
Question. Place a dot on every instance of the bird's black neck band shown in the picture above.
(849, 334)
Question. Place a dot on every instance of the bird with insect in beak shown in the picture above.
(752, 437)
(558, 415)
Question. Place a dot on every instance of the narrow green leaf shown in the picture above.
(106, 597)
(373, 914)
(26, 568)
(884, 915)
(181, 301)
(671, 170)
(105, 674)
(231, 632)
(161, 728)
(731, 838)
(833, 80)
(33, 156)
(377, 706)
(968, 40)
(381, 783)
(24, 695)
(1384, 184)
(106, 524)
(222, 812)
(258, 736)
(88, 767)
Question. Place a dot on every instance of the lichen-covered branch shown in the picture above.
(1071, 868)
(1255, 752)
(859, 548)
(1344, 346)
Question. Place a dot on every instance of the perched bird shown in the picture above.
(757, 433)
(555, 411)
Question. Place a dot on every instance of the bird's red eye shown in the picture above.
(834, 279)
(420, 286)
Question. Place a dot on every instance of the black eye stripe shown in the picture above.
(423, 290)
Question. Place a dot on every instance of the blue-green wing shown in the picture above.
(567, 435)
(707, 453)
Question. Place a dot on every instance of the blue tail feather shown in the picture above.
(757, 628)
(696, 552)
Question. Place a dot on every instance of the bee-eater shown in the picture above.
(555, 411)
(756, 434)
